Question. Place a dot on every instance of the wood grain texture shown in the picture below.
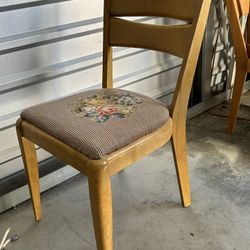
(236, 9)
(138, 149)
(116, 161)
(107, 70)
(248, 33)
(180, 103)
(243, 7)
(101, 205)
(173, 39)
(240, 78)
(181, 40)
(178, 9)
(31, 167)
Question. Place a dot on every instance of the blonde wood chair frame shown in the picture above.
(182, 40)
(237, 9)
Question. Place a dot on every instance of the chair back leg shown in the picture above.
(179, 148)
(240, 79)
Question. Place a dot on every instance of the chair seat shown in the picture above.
(99, 122)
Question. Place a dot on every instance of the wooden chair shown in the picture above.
(236, 10)
(101, 132)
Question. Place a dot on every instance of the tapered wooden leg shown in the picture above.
(30, 163)
(101, 206)
(179, 147)
(235, 103)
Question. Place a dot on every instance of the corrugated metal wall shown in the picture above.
(50, 49)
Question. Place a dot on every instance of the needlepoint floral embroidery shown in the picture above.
(101, 108)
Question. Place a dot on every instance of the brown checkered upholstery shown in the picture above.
(90, 137)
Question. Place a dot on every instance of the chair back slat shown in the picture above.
(173, 39)
(182, 40)
(178, 9)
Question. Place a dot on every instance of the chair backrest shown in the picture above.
(236, 10)
(182, 40)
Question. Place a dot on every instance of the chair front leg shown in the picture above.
(31, 167)
(101, 206)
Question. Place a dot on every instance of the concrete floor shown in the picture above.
(147, 211)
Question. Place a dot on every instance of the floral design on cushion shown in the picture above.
(101, 108)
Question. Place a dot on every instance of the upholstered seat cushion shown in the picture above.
(99, 122)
